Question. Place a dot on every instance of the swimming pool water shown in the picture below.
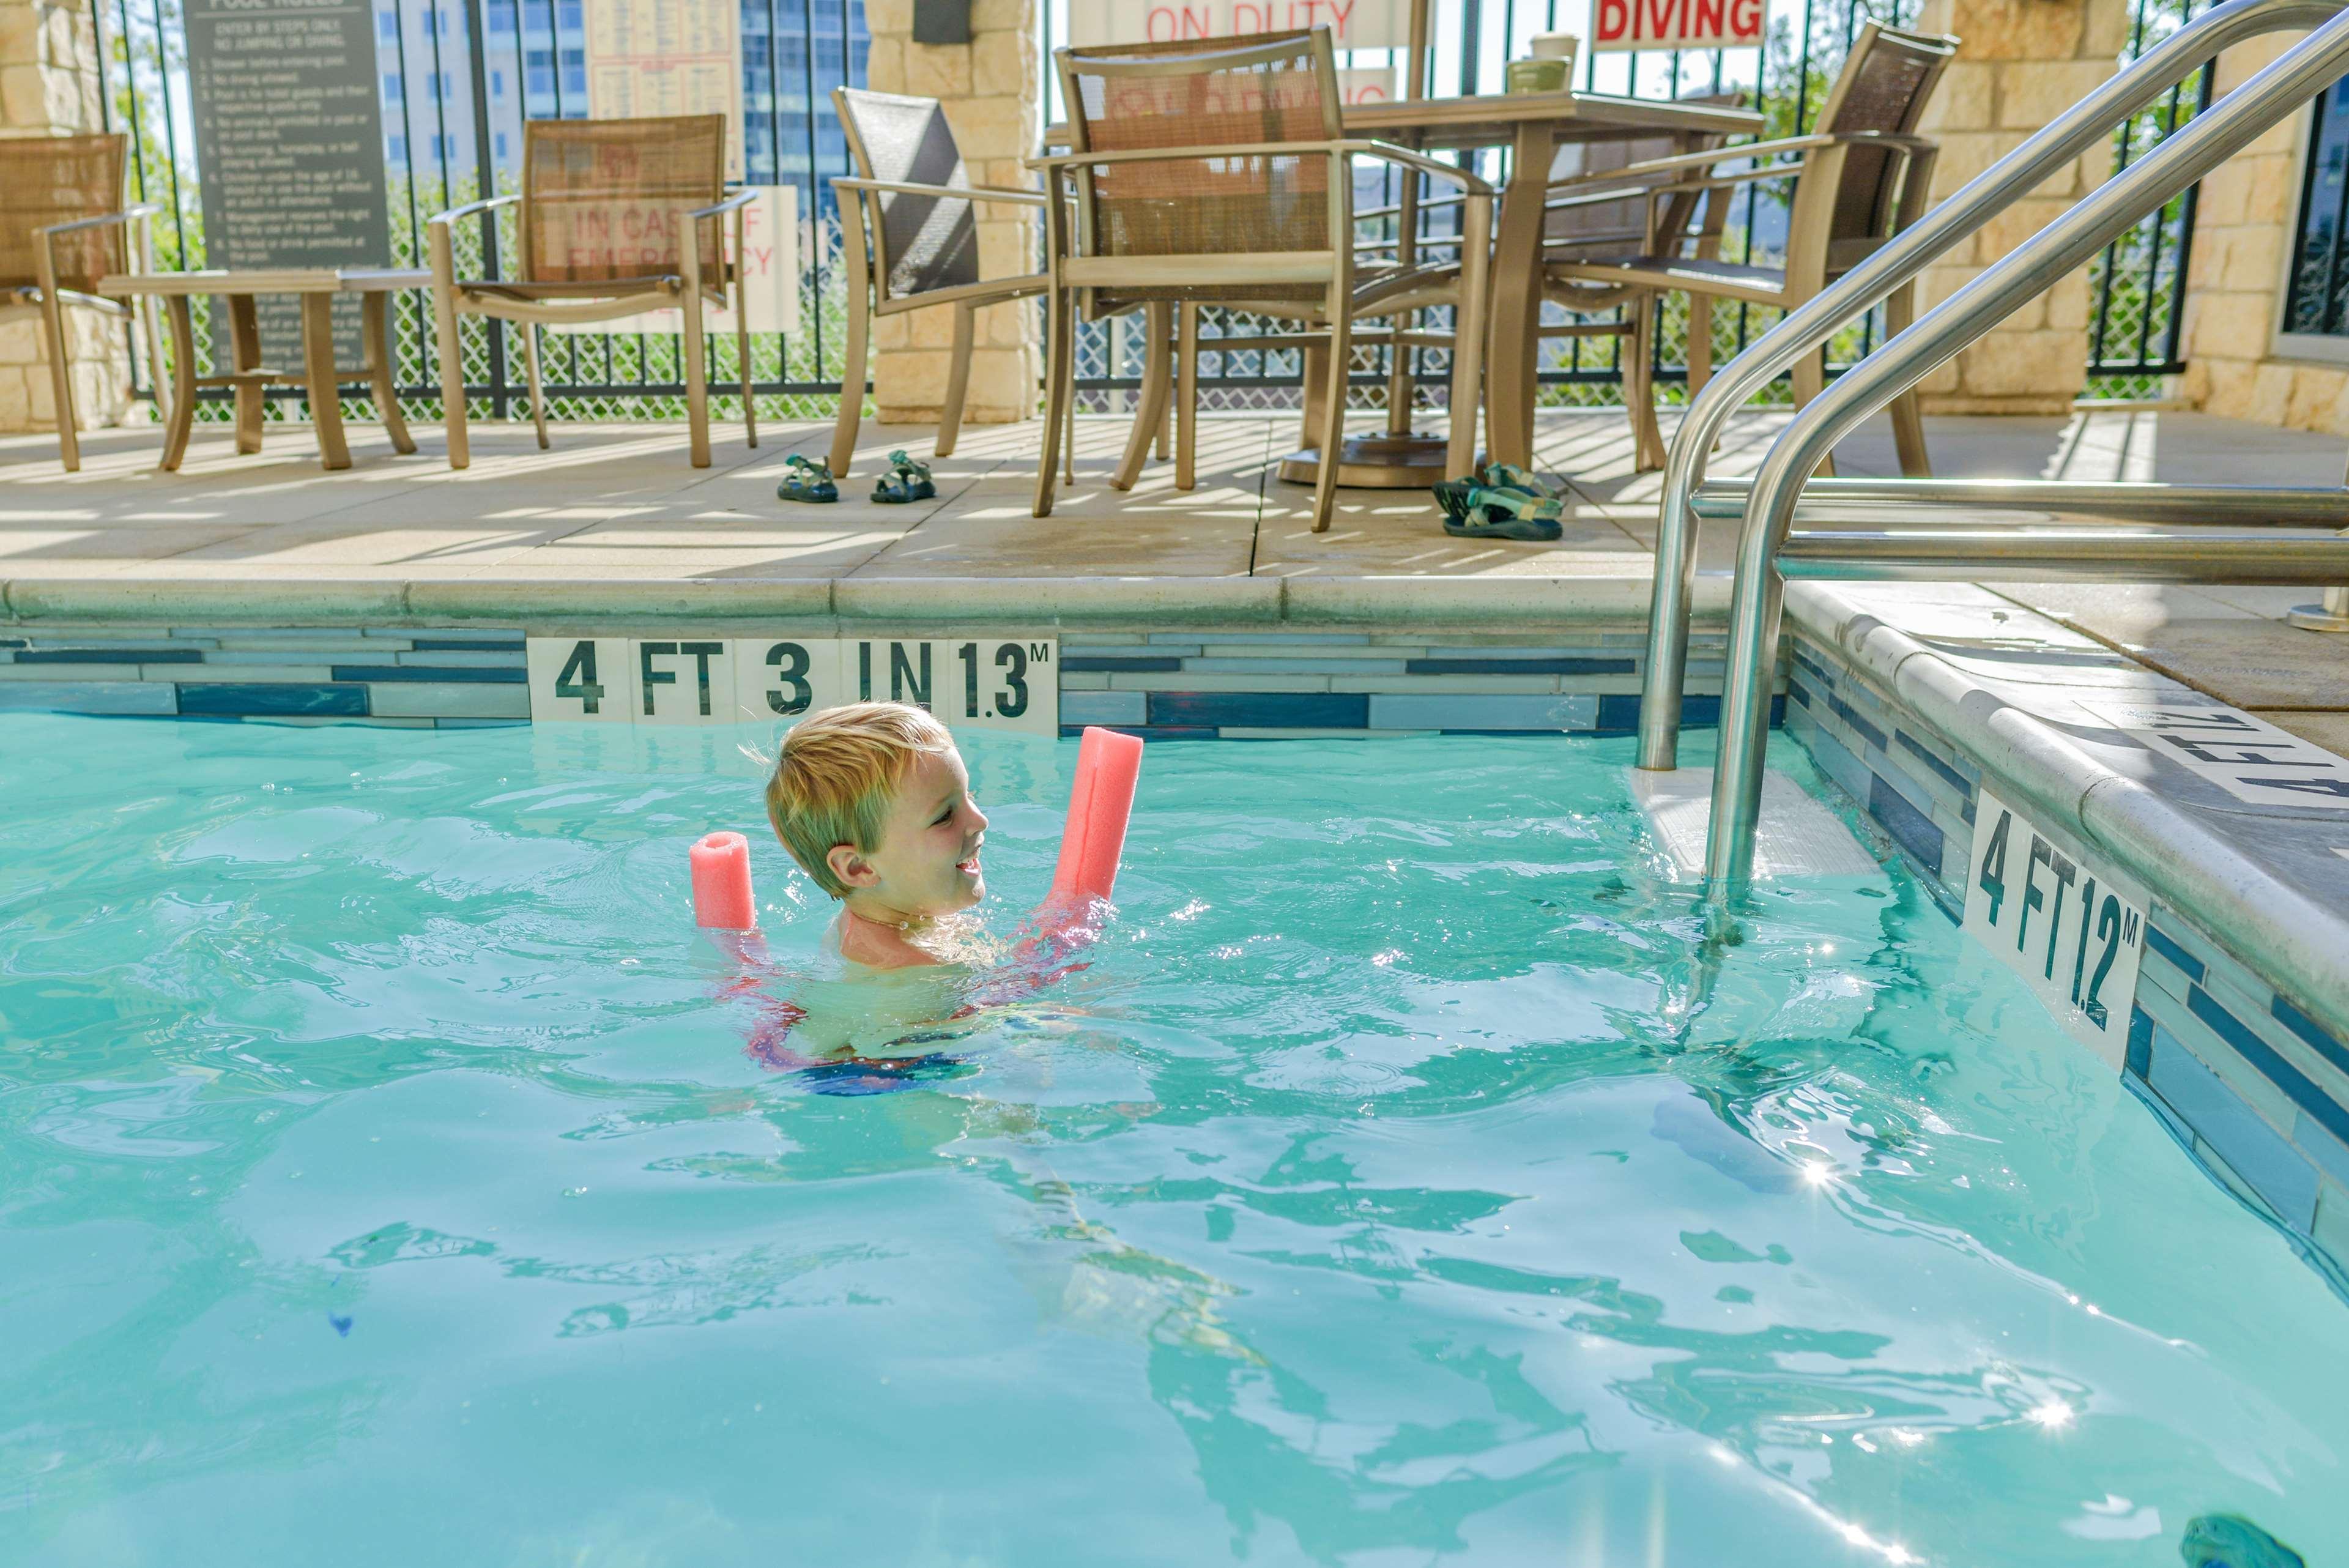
(384, 1181)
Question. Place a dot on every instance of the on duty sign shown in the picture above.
(1676, 24)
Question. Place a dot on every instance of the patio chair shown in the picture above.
(613, 215)
(914, 195)
(62, 228)
(1602, 225)
(1223, 176)
(1859, 179)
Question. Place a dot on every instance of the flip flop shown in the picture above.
(1507, 513)
(809, 480)
(915, 474)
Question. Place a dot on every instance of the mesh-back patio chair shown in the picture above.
(1222, 175)
(63, 227)
(913, 197)
(1600, 225)
(616, 217)
(1861, 178)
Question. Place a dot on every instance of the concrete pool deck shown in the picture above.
(613, 525)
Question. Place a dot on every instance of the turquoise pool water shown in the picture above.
(384, 1181)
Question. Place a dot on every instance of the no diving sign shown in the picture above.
(1676, 24)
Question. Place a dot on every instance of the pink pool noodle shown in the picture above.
(721, 883)
(1108, 764)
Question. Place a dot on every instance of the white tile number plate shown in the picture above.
(983, 682)
(589, 679)
(2248, 758)
(2073, 930)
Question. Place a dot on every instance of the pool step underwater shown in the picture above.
(1797, 837)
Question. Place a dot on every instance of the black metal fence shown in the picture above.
(2137, 285)
(460, 77)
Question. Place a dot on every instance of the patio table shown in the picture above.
(319, 375)
(1533, 126)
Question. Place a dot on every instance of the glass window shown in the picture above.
(2317, 300)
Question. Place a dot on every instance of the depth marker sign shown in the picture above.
(1676, 24)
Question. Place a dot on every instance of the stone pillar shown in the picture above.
(2022, 63)
(50, 85)
(2242, 222)
(990, 90)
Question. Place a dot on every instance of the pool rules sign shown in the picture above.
(991, 683)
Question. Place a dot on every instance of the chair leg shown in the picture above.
(958, 380)
(1640, 384)
(1060, 326)
(453, 377)
(1907, 418)
(742, 363)
(1700, 343)
(697, 377)
(245, 335)
(53, 327)
(1473, 305)
(1069, 415)
(375, 335)
(1333, 416)
(1150, 407)
(1316, 357)
(1162, 446)
(852, 377)
(1810, 378)
(182, 416)
(537, 382)
(1186, 397)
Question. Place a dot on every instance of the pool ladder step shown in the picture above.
(1797, 835)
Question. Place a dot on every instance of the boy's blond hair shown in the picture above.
(835, 773)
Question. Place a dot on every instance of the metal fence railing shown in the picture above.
(517, 60)
(439, 60)
(2137, 284)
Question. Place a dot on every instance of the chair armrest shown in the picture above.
(738, 200)
(1362, 215)
(955, 193)
(1632, 173)
(473, 209)
(104, 219)
(1388, 152)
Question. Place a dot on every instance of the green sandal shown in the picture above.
(916, 476)
(1523, 481)
(898, 486)
(1487, 513)
(809, 480)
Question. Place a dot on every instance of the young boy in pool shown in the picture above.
(874, 802)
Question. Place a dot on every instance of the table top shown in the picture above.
(1493, 119)
(266, 280)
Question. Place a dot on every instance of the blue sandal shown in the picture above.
(809, 480)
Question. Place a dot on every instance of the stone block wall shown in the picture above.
(2023, 62)
(49, 85)
(991, 87)
(2242, 223)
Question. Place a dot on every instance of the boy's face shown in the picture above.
(926, 860)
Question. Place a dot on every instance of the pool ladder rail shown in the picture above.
(1795, 527)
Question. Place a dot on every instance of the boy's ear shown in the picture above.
(851, 868)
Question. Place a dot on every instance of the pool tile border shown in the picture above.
(2247, 1063)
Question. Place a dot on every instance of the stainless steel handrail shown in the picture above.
(2070, 501)
(2017, 174)
(2278, 89)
